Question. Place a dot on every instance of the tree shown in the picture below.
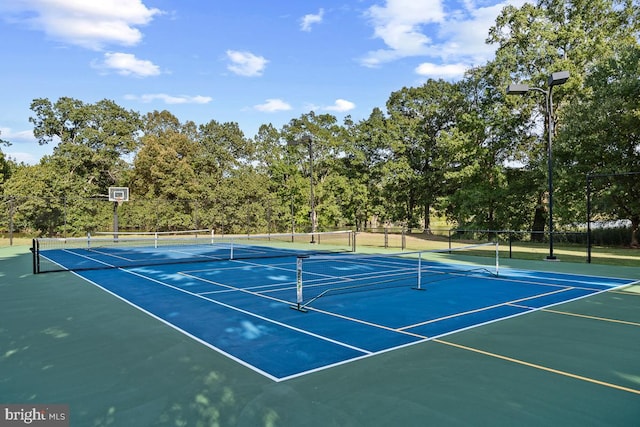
(486, 187)
(366, 151)
(601, 135)
(224, 173)
(536, 40)
(287, 187)
(417, 119)
(47, 202)
(93, 138)
(5, 165)
(60, 195)
(327, 140)
(164, 172)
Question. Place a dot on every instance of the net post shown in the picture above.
(231, 249)
(418, 286)
(299, 297)
(88, 240)
(36, 256)
(155, 240)
(212, 236)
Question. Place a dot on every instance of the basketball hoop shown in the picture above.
(119, 194)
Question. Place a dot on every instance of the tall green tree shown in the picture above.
(417, 119)
(327, 147)
(287, 186)
(366, 151)
(601, 135)
(60, 195)
(47, 202)
(164, 173)
(5, 164)
(93, 139)
(551, 35)
(482, 190)
(223, 164)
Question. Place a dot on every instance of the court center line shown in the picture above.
(72, 252)
(364, 322)
(536, 366)
(259, 291)
(328, 313)
(249, 313)
(584, 316)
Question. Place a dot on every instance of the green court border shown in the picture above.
(63, 340)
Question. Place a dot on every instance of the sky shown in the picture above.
(251, 62)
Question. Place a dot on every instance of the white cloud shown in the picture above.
(127, 64)
(169, 99)
(7, 134)
(246, 63)
(90, 24)
(398, 24)
(308, 20)
(341, 106)
(273, 106)
(428, 29)
(446, 71)
(21, 142)
(464, 34)
(21, 157)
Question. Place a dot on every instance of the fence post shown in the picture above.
(11, 212)
(510, 245)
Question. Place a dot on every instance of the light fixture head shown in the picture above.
(558, 78)
(517, 89)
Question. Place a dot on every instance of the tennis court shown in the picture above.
(380, 334)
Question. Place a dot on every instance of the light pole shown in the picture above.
(555, 79)
(309, 142)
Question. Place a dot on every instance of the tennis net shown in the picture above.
(138, 249)
(321, 276)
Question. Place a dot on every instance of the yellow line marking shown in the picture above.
(543, 368)
(586, 316)
(623, 292)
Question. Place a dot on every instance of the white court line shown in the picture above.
(366, 354)
(171, 325)
(478, 310)
(266, 319)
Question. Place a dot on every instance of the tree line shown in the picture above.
(464, 151)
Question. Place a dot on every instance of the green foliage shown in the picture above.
(462, 150)
(601, 137)
(418, 118)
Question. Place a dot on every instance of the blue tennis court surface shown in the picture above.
(242, 308)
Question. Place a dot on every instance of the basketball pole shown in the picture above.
(115, 221)
(117, 195)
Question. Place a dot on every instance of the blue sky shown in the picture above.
(251, 62)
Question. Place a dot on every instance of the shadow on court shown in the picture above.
(63, 340)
